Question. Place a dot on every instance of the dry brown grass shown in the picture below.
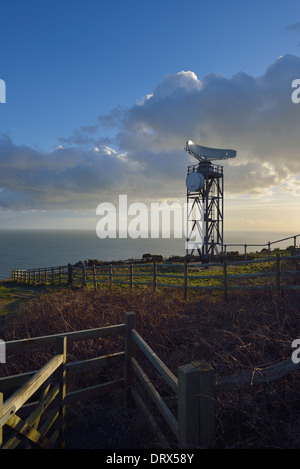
(250, 329)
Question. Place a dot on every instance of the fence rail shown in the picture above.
(265, 245)
(194, 388)
(186, 276)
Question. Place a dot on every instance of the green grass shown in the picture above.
(12, 294)
(5, 293)
(172, 274)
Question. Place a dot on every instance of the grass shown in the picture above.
(11, 294)
(5, 293)
(171, 274)
(251, 329)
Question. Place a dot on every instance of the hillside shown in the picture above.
(249, 330)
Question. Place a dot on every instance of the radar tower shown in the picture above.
(205, 207)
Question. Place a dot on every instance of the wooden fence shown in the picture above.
(188, 275)
(194, 388)
(8, 411)
(28, 383)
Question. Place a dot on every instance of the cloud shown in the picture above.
(144, 156)
(293, 27)
(254, 115)
(65, 178)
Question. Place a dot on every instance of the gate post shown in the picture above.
(61, 348)
(129, 350)
(196, 414)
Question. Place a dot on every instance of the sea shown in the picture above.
(25, 249)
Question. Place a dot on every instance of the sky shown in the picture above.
(101, 96)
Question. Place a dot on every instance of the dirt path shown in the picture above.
(12, 293)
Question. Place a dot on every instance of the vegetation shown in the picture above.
(170, 274)
(148, 257)
(251, 329)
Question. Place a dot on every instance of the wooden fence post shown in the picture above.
(83, 279)
(131, 276)
(61, 348)
(196, 413)
(154, 276)
(110, 276)
(52, 275)
(129, 350)
(278, 271)
(69, 274)
(94, 278)
(225, 278)
(185, 281)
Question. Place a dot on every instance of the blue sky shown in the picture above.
(121, 85)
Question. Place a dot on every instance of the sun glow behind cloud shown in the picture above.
(144, 156)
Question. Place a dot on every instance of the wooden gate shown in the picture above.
(50, 381)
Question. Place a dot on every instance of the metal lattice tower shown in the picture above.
(205, 189)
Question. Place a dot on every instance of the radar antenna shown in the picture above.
(208, 154)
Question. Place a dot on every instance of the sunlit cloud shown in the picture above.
(144, 156)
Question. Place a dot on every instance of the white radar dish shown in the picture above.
(208, 154)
